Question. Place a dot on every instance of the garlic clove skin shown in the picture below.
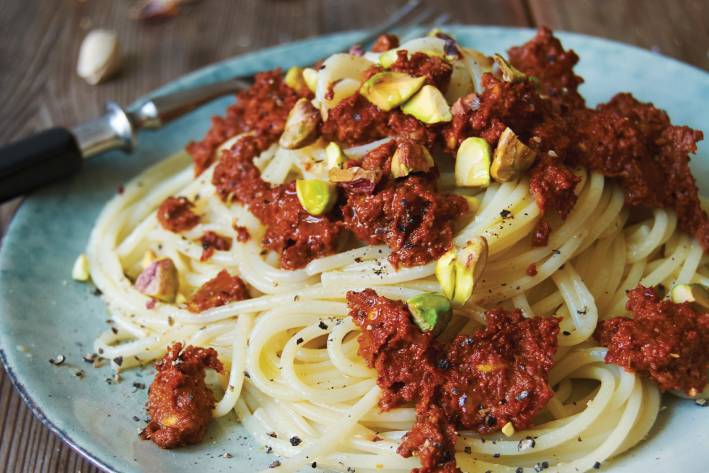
(99, 56)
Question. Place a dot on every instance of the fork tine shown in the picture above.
(395, 20)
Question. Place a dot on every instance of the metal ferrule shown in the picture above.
(113, 130)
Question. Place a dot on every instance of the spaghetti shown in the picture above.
(290, 351)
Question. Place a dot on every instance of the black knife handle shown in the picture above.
(37, 160)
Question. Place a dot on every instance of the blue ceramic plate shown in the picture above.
(44, 313)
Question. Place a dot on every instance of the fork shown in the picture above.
(57, 153)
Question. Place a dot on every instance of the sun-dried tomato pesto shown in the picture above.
(175, 214)
(179, 402)
(291, 231)
(221, 289)
(668, 342)
(211, 242)
(263, 108)
(476, 382)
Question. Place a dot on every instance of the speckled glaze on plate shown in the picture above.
(44, 313)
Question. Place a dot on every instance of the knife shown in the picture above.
(57, 153)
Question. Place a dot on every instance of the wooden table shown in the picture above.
(39, 41)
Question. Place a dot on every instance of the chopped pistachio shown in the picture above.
(508, 429)
(355, 173)
(387, 58)
(429, 106)
(431, 312)
(294, 79)
(388, 90)
(509, 72)
(473, 203)
(695, 294)
(159, 280)
(445, 272)
(317, 197)
(410, 157)
(80, 270)
(472, 163)
(459, 270)
(469, 265)
(335, 156)
(511, 157)
(148, 258)
(310, 76)
(301, 125)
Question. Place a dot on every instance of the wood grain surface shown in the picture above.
(39, 42)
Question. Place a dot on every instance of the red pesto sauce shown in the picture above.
(211, 242)
(667, 342)
(175, 214)
(624, 139)
(179, 402)
(478, 382)
(221, 289)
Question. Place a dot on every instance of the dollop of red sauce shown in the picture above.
(385, 42)
(625, 139)
(179, 402)
(665, 341)
(263, 109)
(242, 233)
(531, 270)
(175, 214)
(221, 289)
(211, 242)
(476, 382)
(291, 231)
(544, 58)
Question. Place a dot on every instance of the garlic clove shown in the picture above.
(99, 56)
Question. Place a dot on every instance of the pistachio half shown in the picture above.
(458, 270)
(695, 294)
(410, 157)
(388, 90)
(310, 76)
(352, 174)
(294, 79)
(80, 270)
(317, 197)
(429, 106)
(301, 125)
(335, 156)
(511, 157)
(508, 71)
(159, 280)
(431, 312)
(472, 163)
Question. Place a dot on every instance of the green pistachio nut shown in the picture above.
(472, 163)
(315, 196)
(310, 76)
(334, 156)
(508, 71)
(294, 79)
(410, 157)
(428, 106)
(387, 90)
(301, 126)
(511, 157)
(696, 294)
(431, 312)
(159, 280)
(459, 270)
(355, 173)
(469, 266)
(445, 272)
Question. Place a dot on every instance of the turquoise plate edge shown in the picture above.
(37, 293)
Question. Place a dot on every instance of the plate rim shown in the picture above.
(338, 37)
